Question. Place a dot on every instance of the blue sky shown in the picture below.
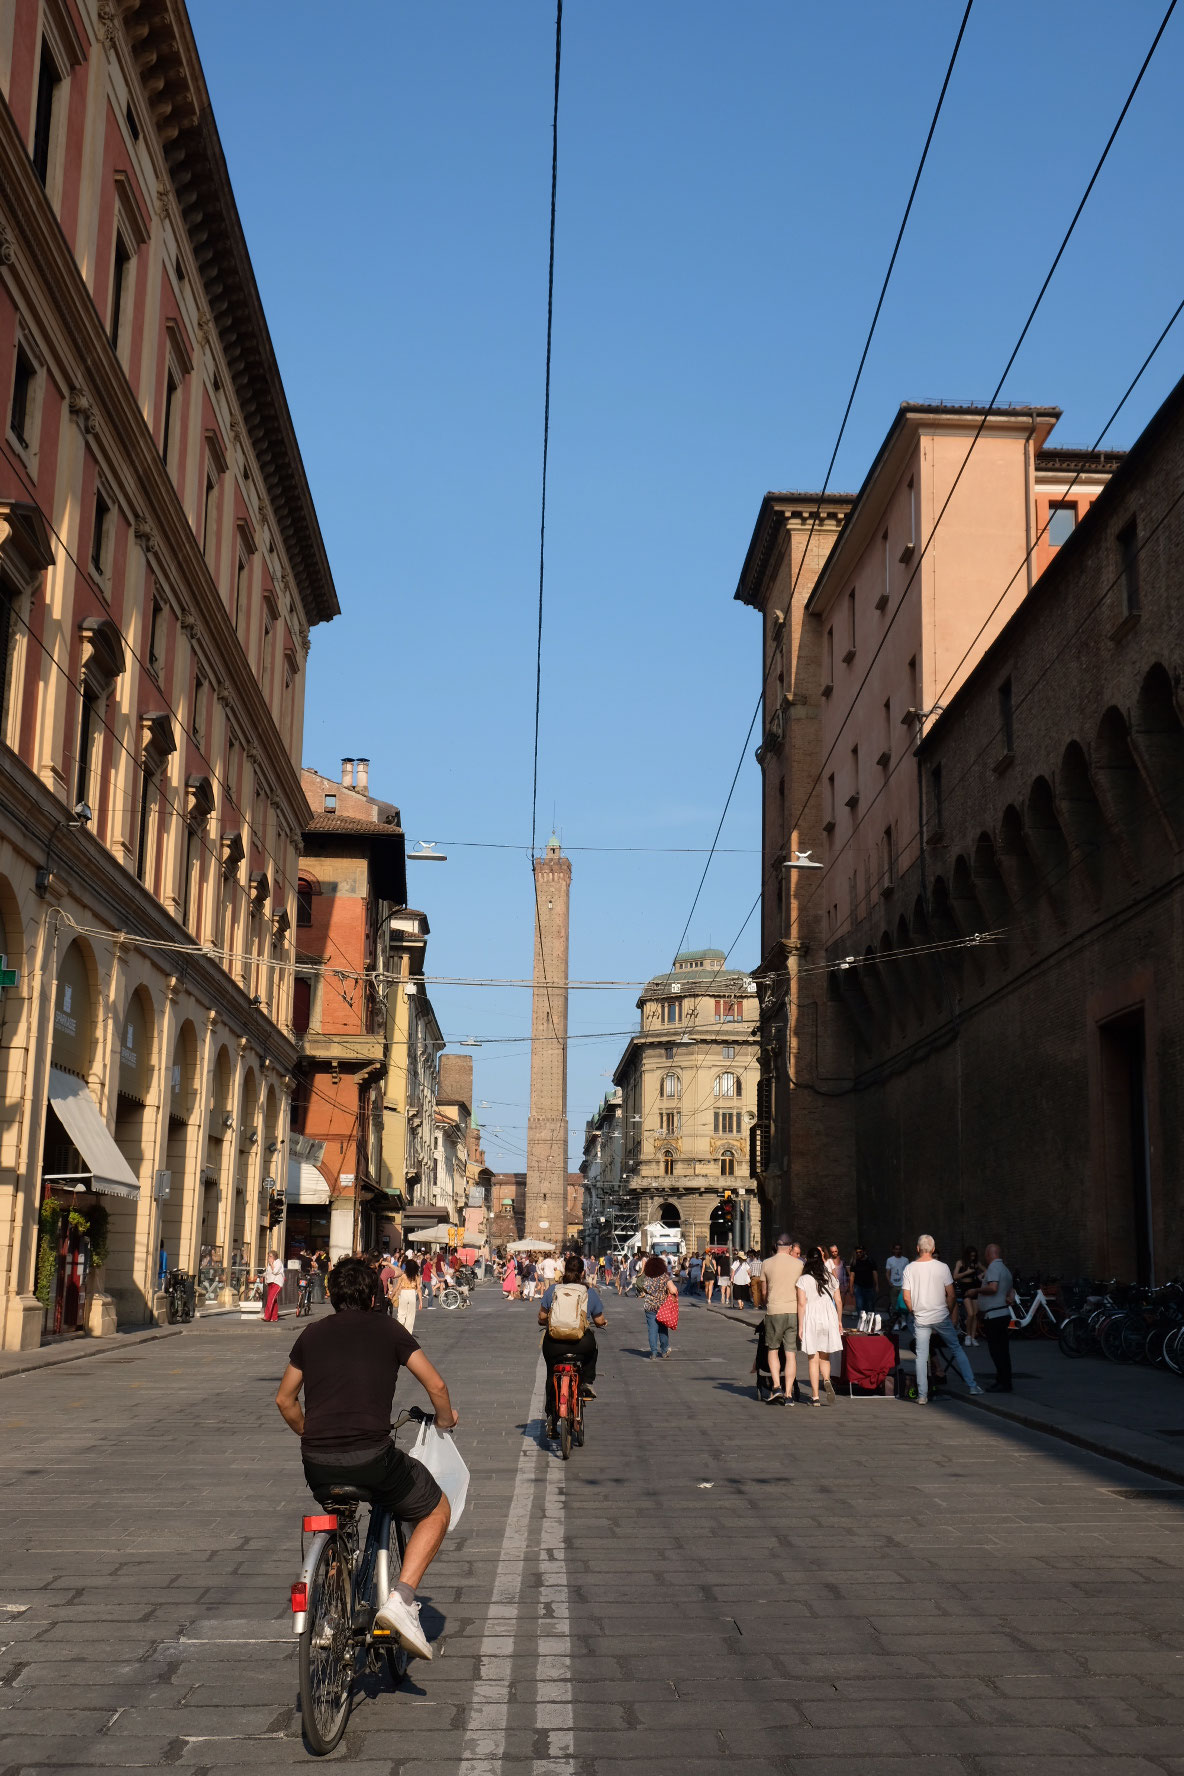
(731, 180)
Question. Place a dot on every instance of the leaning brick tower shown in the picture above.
(546, 1134)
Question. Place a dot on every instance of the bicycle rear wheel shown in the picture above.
(1111, 1338)
(565, 1437)
(1073, 1336)
(327, 1653)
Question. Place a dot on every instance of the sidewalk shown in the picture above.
(53, 1355)
(1131, 1414)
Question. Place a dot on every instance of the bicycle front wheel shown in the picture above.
(327, 1653)
(1073, 1336)
(397, 1656)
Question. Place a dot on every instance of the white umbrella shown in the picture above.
(432, 1236)
(531, 1246)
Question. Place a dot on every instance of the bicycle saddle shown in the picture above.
(345, 1495)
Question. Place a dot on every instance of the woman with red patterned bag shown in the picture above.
(659, 1298)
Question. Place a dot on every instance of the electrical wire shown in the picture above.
(779, 631)
(989, 407)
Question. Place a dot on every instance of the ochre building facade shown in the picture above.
(160, 569)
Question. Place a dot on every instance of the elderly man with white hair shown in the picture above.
(928, 1290)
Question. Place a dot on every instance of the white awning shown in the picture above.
(305, 1183)
(433, 1236)
(79, 1116)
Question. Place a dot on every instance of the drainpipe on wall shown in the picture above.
(1029, 495)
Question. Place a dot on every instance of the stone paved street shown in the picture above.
(706, 1583)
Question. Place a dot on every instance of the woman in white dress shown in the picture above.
(820, 1329)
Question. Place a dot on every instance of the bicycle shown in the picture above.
(1040, 1315)
(179, 1296)
(343, 1583)
(567, 1413)
(304, 1298)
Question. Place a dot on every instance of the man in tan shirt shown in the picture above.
(781, 1273)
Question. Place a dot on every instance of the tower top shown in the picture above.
(553, 846)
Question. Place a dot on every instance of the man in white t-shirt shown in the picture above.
(894, 1269)
(550, 1270)
(928, 1290)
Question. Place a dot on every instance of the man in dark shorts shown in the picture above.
(348, 1366)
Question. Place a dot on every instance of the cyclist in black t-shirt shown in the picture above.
(347, 1366)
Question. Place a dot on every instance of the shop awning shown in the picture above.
(305, 1183)
(79, 1115)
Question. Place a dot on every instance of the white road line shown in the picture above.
(484, 1747)
(554, 1712)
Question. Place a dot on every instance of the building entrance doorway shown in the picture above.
(719, 1228)
(1130, 1219)
(669, 1215)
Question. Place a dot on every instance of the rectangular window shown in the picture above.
(232, 769)
(142, 825)
(156, 638)
(199, 708)
(189, 908)
(850, 653)
(86, 736)
(118, 284)
(167, 442)
(912, 515)
(303, 903)
(20, 415)
(885, 757)
(830, 660)
(913, 704)
(48, 81)
(830, 798)
(1007, 715)
(672, 1011)
(98, 535)
(935, 798)
(132, 125)
(886, 587)
(330, 804)
(207, 517)
(889, 862)
(1062, 521)
(1128, 555)
(853, 798)
(240, 593)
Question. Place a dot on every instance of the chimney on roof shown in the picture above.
(363, 777)
(347, 773)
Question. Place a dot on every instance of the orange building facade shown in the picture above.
(161, 567)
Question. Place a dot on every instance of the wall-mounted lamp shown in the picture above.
(227, 1120)
(82, 817)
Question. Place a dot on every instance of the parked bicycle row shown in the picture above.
(1126, 1323)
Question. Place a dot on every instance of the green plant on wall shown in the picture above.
(47, 1252)
(97, 1228)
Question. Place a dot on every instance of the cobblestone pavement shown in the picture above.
(707, 1583)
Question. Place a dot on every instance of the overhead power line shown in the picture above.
(777, 635)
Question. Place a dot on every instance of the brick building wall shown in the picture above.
(1028, 1090)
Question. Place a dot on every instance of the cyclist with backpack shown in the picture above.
(567, 1312)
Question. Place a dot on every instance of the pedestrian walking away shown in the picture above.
(710, 1276)
(866, 1281)
(568, 1311)
(658, 1285)
(741, 1281)
(928, 1290)
(968, 1274)
(820, 1327)
(347, 1366)
(273, 1282)
(405, 1293)
(756, 1278)
(780, 1327)
(994, 1313)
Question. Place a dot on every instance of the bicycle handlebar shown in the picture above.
(413, 1414)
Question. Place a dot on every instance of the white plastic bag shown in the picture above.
(443, 1461)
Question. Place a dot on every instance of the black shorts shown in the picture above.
(390, 1477)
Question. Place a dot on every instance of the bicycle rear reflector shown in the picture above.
(299, 1598)
(312, 1524)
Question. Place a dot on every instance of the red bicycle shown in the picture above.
(567, 1408)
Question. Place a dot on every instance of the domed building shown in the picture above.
(688, 1081)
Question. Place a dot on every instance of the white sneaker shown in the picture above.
(403, 1621)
